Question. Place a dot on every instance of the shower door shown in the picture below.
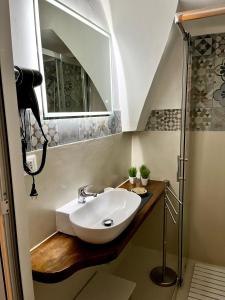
(182, 173)
(10, 278)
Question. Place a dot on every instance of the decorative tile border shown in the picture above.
(201, 119)
(164, 120)
(64, 131)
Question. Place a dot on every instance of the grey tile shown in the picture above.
(201, 99)
(68, 130)
(202, 82)
(87, 128)
(203, 70)
(218, 119)
(202, 45)
(102, 128)
(201, 119)
(50, 129)
(219, 44)
(219, 68)
(114, 122)
(219, 96)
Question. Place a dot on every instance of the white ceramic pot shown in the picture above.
(144, 181)
(132, 180)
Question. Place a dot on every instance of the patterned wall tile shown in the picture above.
(208, 82)
(200, 119)
(114, 122)
(219, 44)
(202, 82)
(218, 93)
(91, 128)
(202, 45)
(164, 120)
(50, 128)
(218, 119)
(70, 130)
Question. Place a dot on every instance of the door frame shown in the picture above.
(18, 198)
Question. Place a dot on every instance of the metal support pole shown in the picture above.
(184, 141)
(163, 275)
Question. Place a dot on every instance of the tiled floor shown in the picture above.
(136, 267)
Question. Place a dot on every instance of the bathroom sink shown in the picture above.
(102, 219)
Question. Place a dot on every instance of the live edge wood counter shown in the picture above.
(62, 255)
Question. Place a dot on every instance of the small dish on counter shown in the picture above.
(141, 191)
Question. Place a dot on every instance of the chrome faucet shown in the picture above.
(82, 194)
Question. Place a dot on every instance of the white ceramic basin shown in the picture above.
(116, 206)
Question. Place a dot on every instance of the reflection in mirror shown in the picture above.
(75, 58)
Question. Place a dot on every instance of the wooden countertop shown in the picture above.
(61, 255)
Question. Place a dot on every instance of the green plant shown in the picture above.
(144, 171)
(132, 172)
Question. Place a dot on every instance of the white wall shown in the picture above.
(159, 149)
(101, 162)
(141, 29)
(206, 195)
(165, 92)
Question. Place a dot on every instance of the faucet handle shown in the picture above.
(82, 193)
(83, 189)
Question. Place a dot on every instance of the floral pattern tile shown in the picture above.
(218, 119)
(200, 119)
(70, 130)
(219, 44)
(50, 128)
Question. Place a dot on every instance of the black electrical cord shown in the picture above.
(26, 80)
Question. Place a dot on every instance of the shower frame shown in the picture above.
(181, 17)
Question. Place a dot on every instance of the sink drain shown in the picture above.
(107, 222)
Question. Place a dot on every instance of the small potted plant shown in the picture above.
(145, 172)
(132, 174)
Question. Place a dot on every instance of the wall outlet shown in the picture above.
(32, 163)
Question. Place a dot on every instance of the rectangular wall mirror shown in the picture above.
(75, 59)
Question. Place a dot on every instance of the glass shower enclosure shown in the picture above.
(68, 86)
(65, 80)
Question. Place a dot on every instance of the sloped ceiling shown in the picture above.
(141, 29)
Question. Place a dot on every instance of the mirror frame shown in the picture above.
(81, 18)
